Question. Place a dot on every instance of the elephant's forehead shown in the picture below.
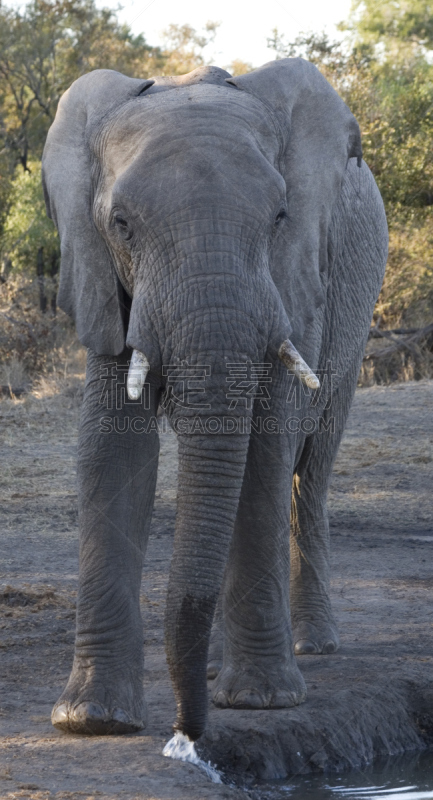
(181, 117)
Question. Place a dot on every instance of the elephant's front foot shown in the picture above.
(315, 638)
(97, 702)
(251, 687)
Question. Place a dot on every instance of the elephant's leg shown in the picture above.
(259, 668)
(313, 624)
(117, 467)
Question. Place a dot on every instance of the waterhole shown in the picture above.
(407, 777)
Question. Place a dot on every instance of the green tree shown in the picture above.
(392, 98)
(27, 228)
(398, 25)
(183, 47)
(43, 50)
(29, 237)
(239, 67)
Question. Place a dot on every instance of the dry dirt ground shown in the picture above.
(373, 696)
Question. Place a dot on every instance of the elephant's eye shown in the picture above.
(122, 226)
(280, 216)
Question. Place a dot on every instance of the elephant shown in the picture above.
(221, 234)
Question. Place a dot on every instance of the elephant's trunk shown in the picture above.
(211, 471)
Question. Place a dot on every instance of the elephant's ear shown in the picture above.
(89, 288)
(318, 135)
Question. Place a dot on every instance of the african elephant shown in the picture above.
(229, 227)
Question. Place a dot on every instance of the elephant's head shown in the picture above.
(193, 215)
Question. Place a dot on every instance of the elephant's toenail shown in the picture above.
(88, 712)
(305, 648)
(247, 698)
(59, 715)
(329, 647)
(119, 715)
(220, 700)
(124, 723)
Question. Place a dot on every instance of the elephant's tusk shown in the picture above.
(294, 361)
(138, 369)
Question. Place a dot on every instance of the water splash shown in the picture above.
(182, 748)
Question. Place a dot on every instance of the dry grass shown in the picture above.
(398, 360)
(405, 301)
(35, 599)
(32, 344)
(406, 297)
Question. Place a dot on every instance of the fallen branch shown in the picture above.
(12, 393)
(20, 322)
(410, 343)
(375, 333)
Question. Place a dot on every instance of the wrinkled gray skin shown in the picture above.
(208, 218)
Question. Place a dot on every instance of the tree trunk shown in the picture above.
(7, 266)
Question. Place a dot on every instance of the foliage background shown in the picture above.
(382, 67)
(386, 78)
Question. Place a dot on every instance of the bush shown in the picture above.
(30, 340)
